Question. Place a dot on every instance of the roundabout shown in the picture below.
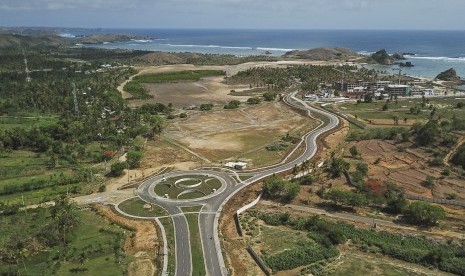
(212, 189)
(186, 186)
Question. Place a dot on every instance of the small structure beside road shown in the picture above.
(236, 165)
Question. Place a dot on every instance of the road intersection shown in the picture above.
(214, 203)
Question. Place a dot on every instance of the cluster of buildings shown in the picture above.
(379, 89)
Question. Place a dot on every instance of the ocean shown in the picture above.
(434, 51)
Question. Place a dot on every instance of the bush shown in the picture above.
(429, 182)
(206, 107)
(134, 159)
(345, 198)
(183, 115)
(254, 100)
(424, 213)
(102, 188)
(278, 146)
(234, 104)
(269, 96)
(278, 188)
(117, 169)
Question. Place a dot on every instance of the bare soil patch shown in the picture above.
(408, 169)
(221, 135)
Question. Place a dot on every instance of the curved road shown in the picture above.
(213, 204)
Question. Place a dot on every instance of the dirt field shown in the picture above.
(409, 169)
(222, 135)
(142, 245)
(183, 94)
(204, 91)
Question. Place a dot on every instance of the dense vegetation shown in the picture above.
(310, 76)
(49, 139)
(447, 256)
(280, 189)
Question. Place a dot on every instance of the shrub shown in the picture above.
(254, 100)
(234, 104)
(117, 169)
(269, 96)
(134, 159)
(183, 115)
(424, 213)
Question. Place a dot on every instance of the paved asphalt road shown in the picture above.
(210, 213)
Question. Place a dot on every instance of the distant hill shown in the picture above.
(448, 75)
(324, 54)
(15, 40)
(382, 57)
(101, 38)
(162, 58)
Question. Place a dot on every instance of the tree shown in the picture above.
(395, 199)
(337, 166)
(395, 118)
(429, 182)
(424, 213)
(269, 96)
(368, 98)
(206, 107)
(232, 104)
(278, 188)
(117, 169)
(428, 134)
(133, 158)
(362, 168)
(385, 106)
(345, 198)
(253, 100)
(353, 151)
(65, 220)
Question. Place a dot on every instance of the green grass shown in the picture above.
(352, 264)
(135, 207)
(198, 265)
(169, 188)
(169, 229)
(178, 76)
(8, 123)
(277, 239)
(192, 209)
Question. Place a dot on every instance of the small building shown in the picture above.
(236, 165)
(398, 89)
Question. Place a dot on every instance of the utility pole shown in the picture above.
(26, 70)
(76, 107)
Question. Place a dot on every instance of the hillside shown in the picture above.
(14, 40)
(323, 54)
(100, 39)
(382, 57)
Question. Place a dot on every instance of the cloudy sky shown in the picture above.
(258, 14)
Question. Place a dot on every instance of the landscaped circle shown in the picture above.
(186, 187)
(188, 182)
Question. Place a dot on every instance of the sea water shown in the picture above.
(432, 51)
